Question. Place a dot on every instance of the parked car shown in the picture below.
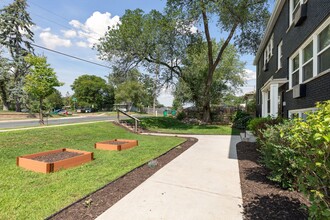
(56, 111)
(88, 110)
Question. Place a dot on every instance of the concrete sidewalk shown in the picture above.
(202, 183)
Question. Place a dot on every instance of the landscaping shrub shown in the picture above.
(181, 115)
(240, 119)
(278, 156)
(298, 155)
(311, 138)
(256, 125)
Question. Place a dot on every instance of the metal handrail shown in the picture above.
(136, 120)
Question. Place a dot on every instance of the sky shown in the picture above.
(74, 26)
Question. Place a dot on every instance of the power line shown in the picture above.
(71, 56)
(49, 11)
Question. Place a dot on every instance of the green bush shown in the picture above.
(241, 119)
(256, 125)
(181, 115)
(298, 155)
(278, 156)
(311, 138)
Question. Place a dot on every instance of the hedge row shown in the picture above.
(297, 152)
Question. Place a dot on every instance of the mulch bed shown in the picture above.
(262, 198)
(99, 201)
(53, 157)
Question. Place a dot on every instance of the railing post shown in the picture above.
(118, 115)
(136, 123)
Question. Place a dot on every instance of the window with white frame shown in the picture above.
(295, 70)
(268, 53)
(294, 6)
(301, 113)
(279, 55)
(324, 50)
(312, 58)
(307, 66)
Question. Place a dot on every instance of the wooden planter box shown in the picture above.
(111, 145)
(29, 163)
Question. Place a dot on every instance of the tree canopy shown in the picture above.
(144, 39)
(92, 91)
(16, 36)
(41, 81)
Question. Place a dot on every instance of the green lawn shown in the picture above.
(29, 195)
(172, 125)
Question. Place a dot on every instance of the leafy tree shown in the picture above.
(228, 76)
(118, 77)
(54, 100)
(92, 90)
(16, 36)
(132, 93)
(242, 20)
(144, 39)
(41, 81)
(4, 82)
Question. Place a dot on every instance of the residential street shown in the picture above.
(57, 121)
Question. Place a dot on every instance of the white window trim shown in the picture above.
(268, 52)
(279, 55)
(291, 10)
(314, 38)
(301, 111)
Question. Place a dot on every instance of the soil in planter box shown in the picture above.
(53, 157)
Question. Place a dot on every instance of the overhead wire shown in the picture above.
(71, 56)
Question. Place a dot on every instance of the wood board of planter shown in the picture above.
(30, 163)
(116, 144)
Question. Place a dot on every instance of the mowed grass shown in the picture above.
(172, 125)
(29, 195)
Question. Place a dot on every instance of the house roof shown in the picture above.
(269, 29)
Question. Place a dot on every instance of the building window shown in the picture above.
(301, 113)
(295, 70)
(312, 58)
(307, 69)
(268, 53)
(294, 6)
(279, 55)
(324, 50)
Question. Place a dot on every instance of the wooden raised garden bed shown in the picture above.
(54, 160)
(116, 144)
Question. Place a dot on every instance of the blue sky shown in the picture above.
(73, 26)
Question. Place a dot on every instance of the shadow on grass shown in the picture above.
(154, 123)
(274, 207)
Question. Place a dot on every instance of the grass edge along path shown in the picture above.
(174, 126)
(29, 195)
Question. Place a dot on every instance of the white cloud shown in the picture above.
(81, 44)
(35, 28)
(69, 33)
(52, 41)
(250, 74)
(75, 23)
(95, 26)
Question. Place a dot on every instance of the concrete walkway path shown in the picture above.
(202, 183)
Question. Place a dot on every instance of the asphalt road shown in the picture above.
(57, 121)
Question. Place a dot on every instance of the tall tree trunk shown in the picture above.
(18, 104)
(207, 98)
(4, 97)
(41, 117)
(206, 112)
